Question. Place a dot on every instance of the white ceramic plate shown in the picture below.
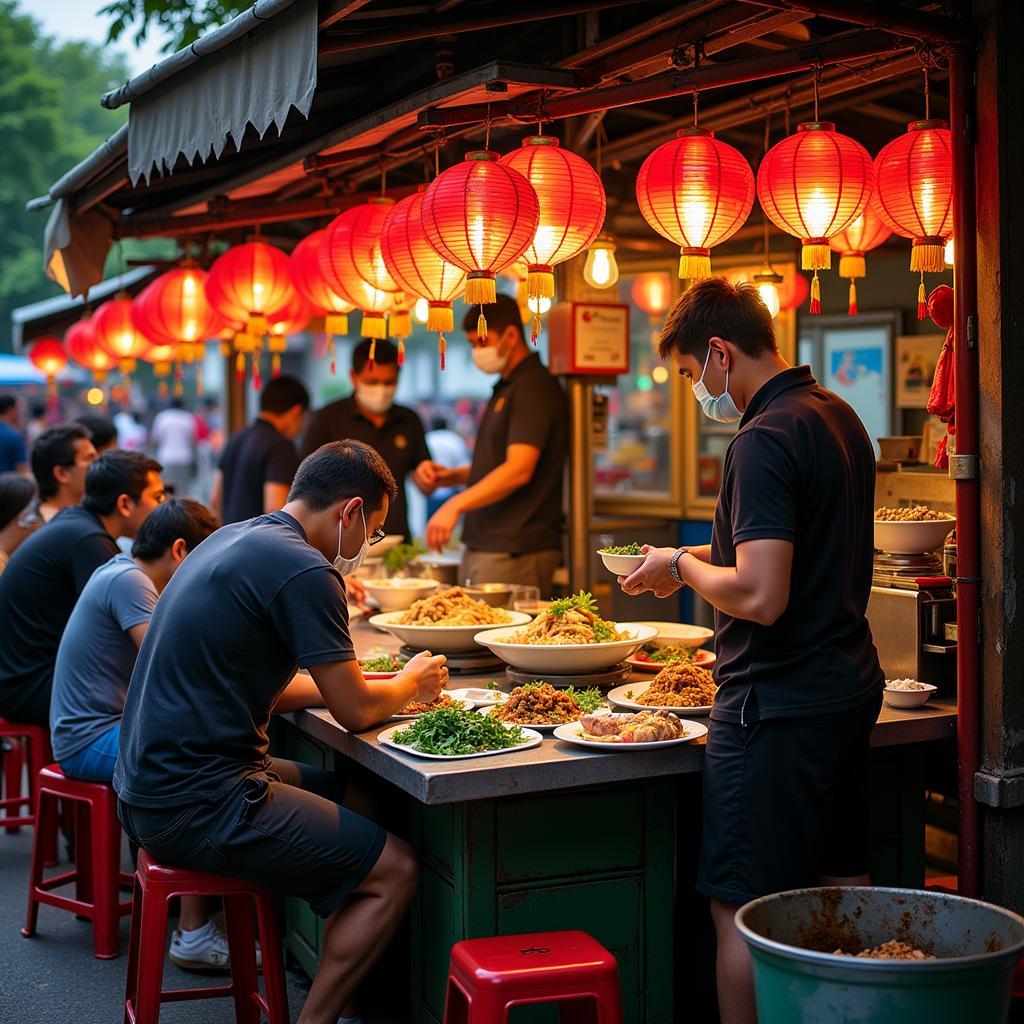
(480, 696)
(702, 659)
(438, 639)
(532, 739)
(467, 705)
(572, 733)
(680, 633)
(621, 565)
(619, 698)
(564, 659)
(538, 726)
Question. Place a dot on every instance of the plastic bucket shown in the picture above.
(799, 980)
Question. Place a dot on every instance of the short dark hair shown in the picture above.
(16, 491)
(101, 427)
(281, 393)
(37, 409)
(503, 312)
(7, 402)
(343, 469)
(173, 518)
(115, 473)
(52, 448)
(386, 353)
(714, 308)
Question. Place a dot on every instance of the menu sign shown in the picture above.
(589, 339)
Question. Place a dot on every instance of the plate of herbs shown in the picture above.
(452, 733)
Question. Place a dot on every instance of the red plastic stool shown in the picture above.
(155, 884)
(31, 743)
(97, 874)
(487, 977)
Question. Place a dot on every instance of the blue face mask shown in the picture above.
(720, 408)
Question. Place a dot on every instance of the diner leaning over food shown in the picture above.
(249, 606)
(788, 572)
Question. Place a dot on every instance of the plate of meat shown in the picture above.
(645, 730)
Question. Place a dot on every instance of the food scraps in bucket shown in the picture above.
(894, 949)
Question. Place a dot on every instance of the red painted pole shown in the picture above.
(964, 467)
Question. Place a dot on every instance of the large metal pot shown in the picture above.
(444, 569)
(799, 980)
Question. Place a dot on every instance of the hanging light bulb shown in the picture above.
(767, 282)
(421, 310)
(601, 270)
(947, 252)
(539, 304)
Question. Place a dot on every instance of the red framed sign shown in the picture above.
(588, 339)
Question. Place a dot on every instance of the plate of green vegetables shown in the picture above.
(452, 733)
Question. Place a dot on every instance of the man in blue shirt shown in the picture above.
(13, 456)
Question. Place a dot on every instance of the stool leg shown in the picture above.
(488, 1008)
(131, 981)
(242, 949)
(609, 1001)
(39, 757)
(106, 872)
(46, 817)
(579, 1011)
(82, 825)
(13, 770)
(273, 962)
(456, 1006)
(149, 969)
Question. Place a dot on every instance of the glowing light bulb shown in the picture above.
(94, 396)
(420, 311)
(601, 269)
(539, 304)
(659, 375)
(818, 213)
(767, 283)
(947, 253)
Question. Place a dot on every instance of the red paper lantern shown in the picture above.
(480, 215)
(915, 191)
(48, 356)
(794, 291)
(82, 346)
(117, 334)
(290, 320)
(419, 269)
(249, 282)
(313, 287)
(813, 185)
(572, 207)
(867, 232)
(174, 309)
(351, 269)
(695, 191)
(652, 293)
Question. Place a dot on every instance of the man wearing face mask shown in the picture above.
(788, 571)
(370, 415)
(513, 504)
(249, 606)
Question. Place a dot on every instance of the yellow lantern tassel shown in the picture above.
(852, 264)
(442, 348)
(694, 264)
(815, 294)
(400, 324)
(330, 352)
(257, 324)
(480, 288)
(540, 283)
(481, 325)
(162, 390)
(240, 366)
(927, 255)
(401, 352)
(199, 378)
(257, 375)
(374, 326)
(816, 255)
(275, 365)
(373, 351)
(225, 348)
(440, 316)
(336, 323)
(852, 307)
(535, 328)
(922, 300)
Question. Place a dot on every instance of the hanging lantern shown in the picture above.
(419, 269)
(82, 346)
(812, 185)
(290, 320)
(174, 308)
(400, 324)
(48, 356)
(312, 285)
(867, 232)
(161, 356)
(572, 208)
(695, 191)
(117, 334)
(652, 293)
(480, 215)
(601, 270)
(248, 283)
(794, 291)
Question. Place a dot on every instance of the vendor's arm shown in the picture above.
(515, 472)
(216, 502)
(282, 462)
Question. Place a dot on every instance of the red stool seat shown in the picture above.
(155, 885)
(97, 874)
(487, 977)
(29, 743)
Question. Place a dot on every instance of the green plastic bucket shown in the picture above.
(799, 980)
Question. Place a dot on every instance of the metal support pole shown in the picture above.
(581, 483)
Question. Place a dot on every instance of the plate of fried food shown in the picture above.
(447, 620)
(540, 706)
(680, 687)
(444, 700)
(652, 658)
(569, 637)
(645, 730)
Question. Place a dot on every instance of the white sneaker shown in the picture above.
(205, 949)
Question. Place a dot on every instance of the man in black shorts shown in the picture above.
(788, 571)
(252, 603)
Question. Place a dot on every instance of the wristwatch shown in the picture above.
(673, 564)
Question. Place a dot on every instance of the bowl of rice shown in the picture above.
(907, 693)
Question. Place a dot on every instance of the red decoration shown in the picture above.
(695, 191)
(82, 346)
(290, 320)
(942, 398)
(652, 293)
(174, 309)
(572, 207)
(867, 232)
(794, 291)
(48, 356)
(813, 185)
(418, 268)
(313, 287)
(915, 191)
(117, 334)
(480, 215)
(250, 282)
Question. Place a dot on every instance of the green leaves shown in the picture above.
(401, 555)
(582, 601)
(452, 731)
(621, 549)
(183, 21)
(586, 700)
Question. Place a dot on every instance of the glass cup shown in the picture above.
(527, 599)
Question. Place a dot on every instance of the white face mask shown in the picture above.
(377, 398)
(489, 359)
(347, 566)
(720, 408)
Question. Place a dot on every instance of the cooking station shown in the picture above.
(562, 837)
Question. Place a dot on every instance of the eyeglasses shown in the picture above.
(30, 515)
(377, 536)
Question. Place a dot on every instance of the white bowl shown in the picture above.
(437, 639)
(398, 593)
(680, 633)
(622, 565)
(912, 538)
(562, 659)
(908, 698)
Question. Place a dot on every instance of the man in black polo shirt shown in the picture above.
(259, 461)
(513, 504)
(42, 581)
(788, 571)
(370, 415)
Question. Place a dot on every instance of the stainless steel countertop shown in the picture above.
(554, 764)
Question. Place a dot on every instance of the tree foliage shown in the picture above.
(183, 21)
